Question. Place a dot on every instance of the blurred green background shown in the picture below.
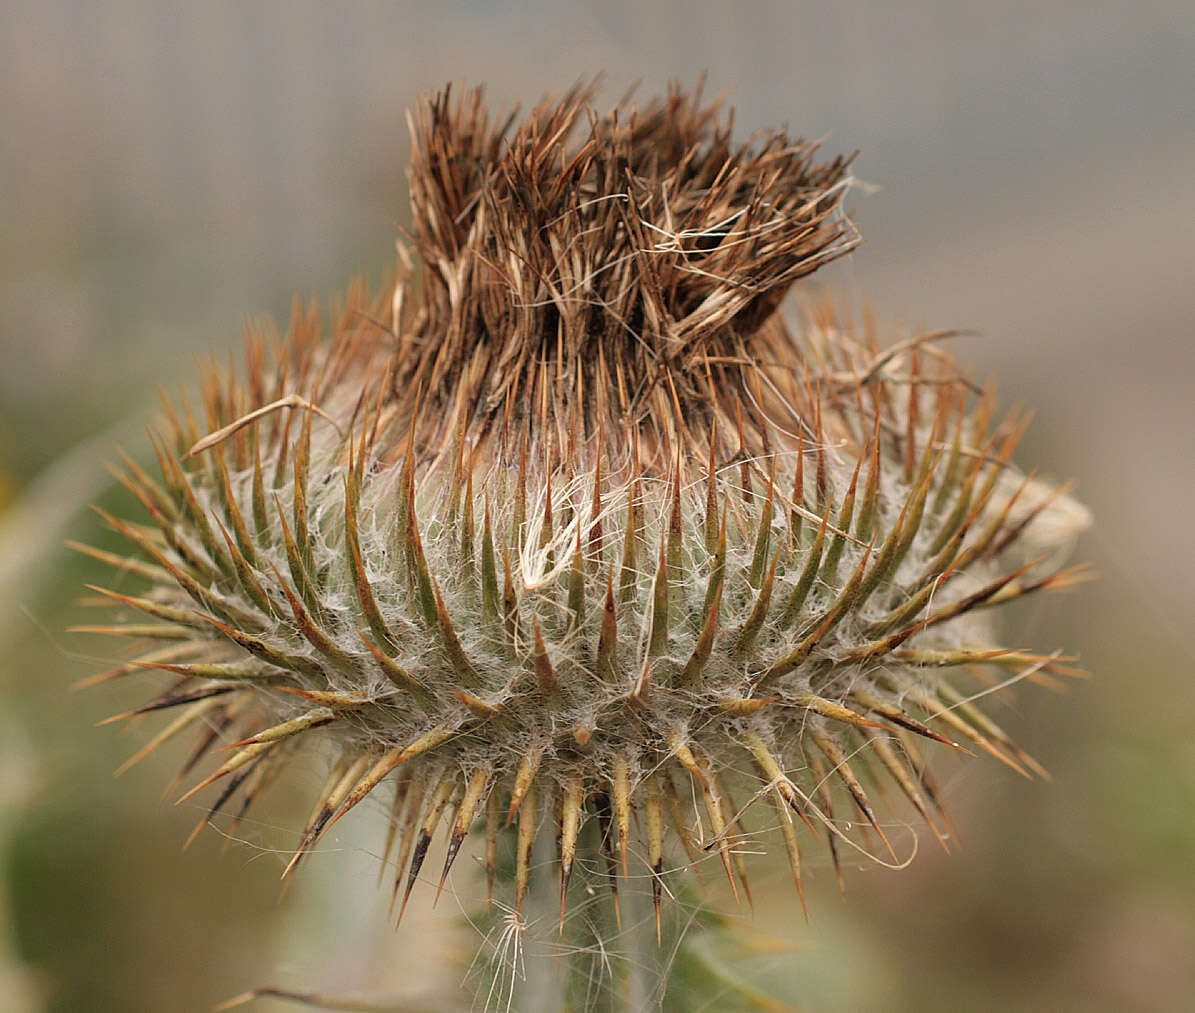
(168, 169)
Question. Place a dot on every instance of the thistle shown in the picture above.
(571, 527)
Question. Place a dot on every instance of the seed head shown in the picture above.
(574, 525)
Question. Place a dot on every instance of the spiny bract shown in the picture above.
(573, 525)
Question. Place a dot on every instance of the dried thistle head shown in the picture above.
(588, 528)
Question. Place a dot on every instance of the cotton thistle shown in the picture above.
(573, 525)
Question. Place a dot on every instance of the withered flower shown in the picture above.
(574, 528)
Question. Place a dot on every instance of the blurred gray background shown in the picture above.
(168, 169)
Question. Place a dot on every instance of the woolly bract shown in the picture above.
(574, 525)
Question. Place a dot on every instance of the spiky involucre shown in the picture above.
(588, 528)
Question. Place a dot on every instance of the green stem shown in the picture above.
(593, 965)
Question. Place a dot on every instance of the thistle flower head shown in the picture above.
(573, 524)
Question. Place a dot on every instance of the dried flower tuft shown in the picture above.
(589, 528)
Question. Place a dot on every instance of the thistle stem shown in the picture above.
(589, 964)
